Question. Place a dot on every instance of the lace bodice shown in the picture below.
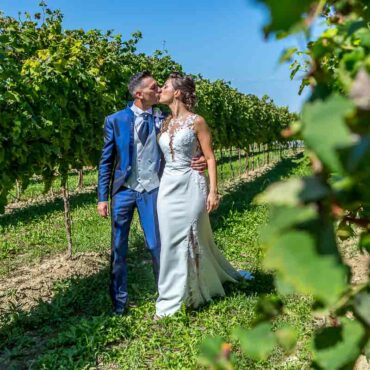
(179, 143)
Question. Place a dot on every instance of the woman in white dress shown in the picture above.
(192, 269)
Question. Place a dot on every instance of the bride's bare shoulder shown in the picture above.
(200, 123)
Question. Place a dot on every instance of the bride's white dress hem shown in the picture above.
(192, 268)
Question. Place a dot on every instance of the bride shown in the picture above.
(192, 269)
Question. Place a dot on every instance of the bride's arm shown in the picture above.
(205, 139)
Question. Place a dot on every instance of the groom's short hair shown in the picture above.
(136, 80)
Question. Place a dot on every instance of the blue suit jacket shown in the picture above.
(116, 159)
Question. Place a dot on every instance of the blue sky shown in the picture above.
(216, 38)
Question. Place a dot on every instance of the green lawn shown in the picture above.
(36, 229)
(76, 331)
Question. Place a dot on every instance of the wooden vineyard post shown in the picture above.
(251, 157)
(253, 153)
(246, 159)
(255, 149)
(280, 151)
(240, 161)
(17, 190)
(231, 162)
(262, 155)
(80, 179)
(254, 157)
(275, 152)
(222, 164)
(67, 217)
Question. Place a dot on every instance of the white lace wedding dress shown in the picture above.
(192, 269)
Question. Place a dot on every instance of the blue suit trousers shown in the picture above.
(124, 203)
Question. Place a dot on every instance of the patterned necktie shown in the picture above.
(143, 131)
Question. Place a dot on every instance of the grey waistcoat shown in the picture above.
(145, 161)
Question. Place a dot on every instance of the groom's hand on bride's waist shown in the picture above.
(199, 164)
(103, 209)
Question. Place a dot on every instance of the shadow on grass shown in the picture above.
(77, 325)
(72, 329)
(263, 283)
(68, 331)
(227, 158)
(232, 200)
(86, 172)
(36, 211)
(241, 196)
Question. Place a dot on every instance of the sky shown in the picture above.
(216, 38)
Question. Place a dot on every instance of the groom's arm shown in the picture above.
(105, 168)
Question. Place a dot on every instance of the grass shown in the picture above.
(76, 331)
(36, 230)
(228, 166)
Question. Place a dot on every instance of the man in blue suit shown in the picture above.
(129, 172)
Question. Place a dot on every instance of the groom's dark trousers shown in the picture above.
(123, 205)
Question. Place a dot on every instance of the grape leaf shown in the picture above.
(324, 128)
(294, 257)
(336, 347)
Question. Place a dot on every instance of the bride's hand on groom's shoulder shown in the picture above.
(103, 209)
(213, 201)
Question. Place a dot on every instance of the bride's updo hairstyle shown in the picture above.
(186, 85)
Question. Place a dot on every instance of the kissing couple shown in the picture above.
(157, 164)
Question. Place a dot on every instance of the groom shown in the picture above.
(129, 171)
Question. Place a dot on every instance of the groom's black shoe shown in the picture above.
(120, 311)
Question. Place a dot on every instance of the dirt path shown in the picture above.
(358, 261)
(28, 284)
